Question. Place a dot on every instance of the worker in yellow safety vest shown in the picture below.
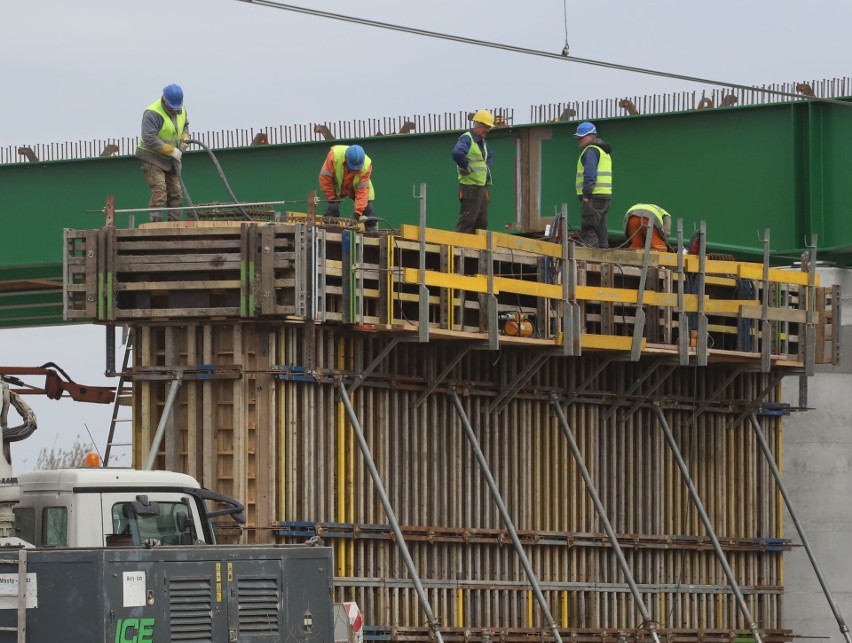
(347, 172)
(165, 131)
(473, 160)
(594, 185)
(642, 217)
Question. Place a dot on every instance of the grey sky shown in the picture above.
(85, 69)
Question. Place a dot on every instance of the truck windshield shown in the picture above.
(171, 527)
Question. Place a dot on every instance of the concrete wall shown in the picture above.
(818, 474)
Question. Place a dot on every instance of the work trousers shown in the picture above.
(593, 232)
(637, 227)
(165, 191)
(473, 214)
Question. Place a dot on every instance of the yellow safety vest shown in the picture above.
(167, 132)
(603, 185)
(340, 171)
(662, 219)
(478, 165)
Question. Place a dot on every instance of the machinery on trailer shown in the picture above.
(127, 556)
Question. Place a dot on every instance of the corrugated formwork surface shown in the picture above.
(263, 422)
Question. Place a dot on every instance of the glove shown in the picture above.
(464, 171)
(332, 209)
(176, 154)
(184, 141)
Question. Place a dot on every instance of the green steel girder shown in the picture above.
(782, 166)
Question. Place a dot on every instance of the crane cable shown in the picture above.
(532, 52)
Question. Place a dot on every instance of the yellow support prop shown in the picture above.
(476, 283)
(530, 609)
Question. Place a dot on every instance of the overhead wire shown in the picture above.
(533, 52)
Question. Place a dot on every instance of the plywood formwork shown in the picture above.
(300, 473)
(261, 325)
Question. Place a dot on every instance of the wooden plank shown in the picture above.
(239, 416)
(777, 314)
(607, 342)
(477, 283)
(186, 253)
(265, 434)
(172, 286)
(266, 265)
(189, 246)
(193, 425)
(162, 314)
(607, 308)
(208, 428)
(144, 422)
(611, 255)
(525, 244)
(91, 278)
(532, 288)
(444, 237)
(171, 441)
(742, 269)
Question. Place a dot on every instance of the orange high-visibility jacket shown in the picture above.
(337, 181)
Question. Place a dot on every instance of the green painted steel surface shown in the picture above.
(743, 169)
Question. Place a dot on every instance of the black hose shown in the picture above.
(221, 176)
(178, 167)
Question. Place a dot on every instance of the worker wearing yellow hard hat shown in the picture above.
(473, 160)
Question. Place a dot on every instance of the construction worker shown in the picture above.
(346, 173)
(594, 185)
(643, 216)
(165, 130)
(473, 159)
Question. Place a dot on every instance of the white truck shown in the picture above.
(123, 556)
(97, 507)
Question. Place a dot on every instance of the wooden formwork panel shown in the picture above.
(274, 271)
(252, 422)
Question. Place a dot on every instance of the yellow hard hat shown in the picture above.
(485, 117)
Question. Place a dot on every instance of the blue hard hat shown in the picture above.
(173, 95)
(584, 129)
(354, 157)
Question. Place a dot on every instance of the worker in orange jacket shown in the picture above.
(346, 173)
(644, 217)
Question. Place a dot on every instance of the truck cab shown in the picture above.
(97, 507)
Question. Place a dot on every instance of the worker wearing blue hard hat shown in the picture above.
(165, 131)
(473, 160)
(593, 184)
(347, 172)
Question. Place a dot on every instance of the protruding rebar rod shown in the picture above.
(604, 518)
(776, 473)
(389, 512)
(708, 526)
(504, 515)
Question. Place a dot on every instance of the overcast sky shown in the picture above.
(86, 69)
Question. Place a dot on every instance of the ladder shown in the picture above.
(20, 561)
(123, 397)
